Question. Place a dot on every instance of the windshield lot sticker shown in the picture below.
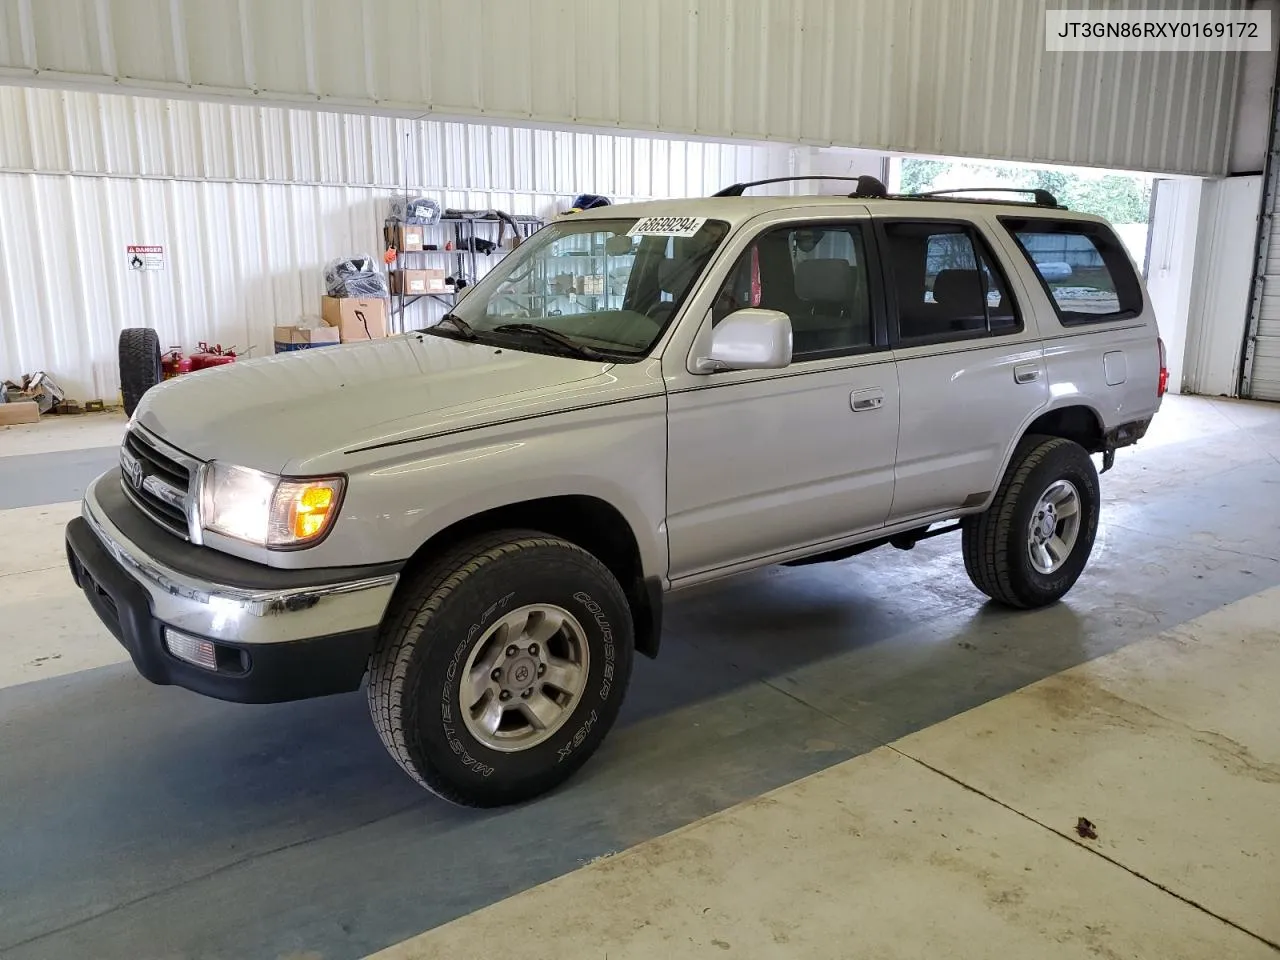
(667, 227)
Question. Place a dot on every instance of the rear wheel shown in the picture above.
(501, 668)
(1029, 548)
(140, 368)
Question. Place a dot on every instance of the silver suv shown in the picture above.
(484, 517)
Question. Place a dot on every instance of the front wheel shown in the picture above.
(1029, 548)
(501, 668)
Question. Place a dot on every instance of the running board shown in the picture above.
(903, 541)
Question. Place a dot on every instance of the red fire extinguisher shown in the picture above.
(212, 356)
(174, 363)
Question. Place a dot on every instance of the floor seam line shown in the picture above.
(1098, 853)
(805, 703)
(201, 877)
(18, 573)
(1157, 536)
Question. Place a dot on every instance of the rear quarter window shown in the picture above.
(1082, 266)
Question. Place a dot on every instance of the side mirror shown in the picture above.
(750, 339)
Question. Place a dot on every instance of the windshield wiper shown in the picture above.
(464, 329)
(551, 336)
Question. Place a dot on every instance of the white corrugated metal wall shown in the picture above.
(952, 77)
(1262, 375)
(249, 202)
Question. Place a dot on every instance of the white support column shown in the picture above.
(1221, 284)
(1171, 249)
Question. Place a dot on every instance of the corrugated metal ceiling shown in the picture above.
(956, 77)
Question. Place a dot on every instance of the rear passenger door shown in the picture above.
(970, 366)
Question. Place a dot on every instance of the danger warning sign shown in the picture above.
(145, 258)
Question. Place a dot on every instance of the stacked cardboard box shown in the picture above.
(405, 237)
(355, 318)
(419, 282)
(303, 338)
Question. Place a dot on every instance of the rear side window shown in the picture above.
(945, 283)
(1082, 266)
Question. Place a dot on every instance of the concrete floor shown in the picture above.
(138, 821)
(961, 840)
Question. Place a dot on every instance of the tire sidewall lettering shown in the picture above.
(451, 673)
(606, 635)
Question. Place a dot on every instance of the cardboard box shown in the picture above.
(592, 284)
(356, 318)
(303, 338)
(406, 237)
(19, 411)
(416, 283)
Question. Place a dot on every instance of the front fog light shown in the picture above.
(193, 650)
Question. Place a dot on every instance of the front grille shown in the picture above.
(157, 479)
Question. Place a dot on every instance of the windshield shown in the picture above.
(610, 286)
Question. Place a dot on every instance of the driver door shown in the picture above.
(763, 462)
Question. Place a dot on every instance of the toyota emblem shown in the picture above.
(132, 469)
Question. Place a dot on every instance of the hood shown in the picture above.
(273, 412)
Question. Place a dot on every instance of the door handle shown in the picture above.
(1027, 372)
(871, 398)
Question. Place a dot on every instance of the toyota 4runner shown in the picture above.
(484, 517)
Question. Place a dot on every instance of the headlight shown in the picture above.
(263, 509)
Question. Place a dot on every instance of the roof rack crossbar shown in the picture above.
(867, 186)
(1042, 198)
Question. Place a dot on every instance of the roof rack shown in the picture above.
(1041, 198)
(866, 186)
(869, 188)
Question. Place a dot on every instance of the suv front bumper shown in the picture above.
(278, 634)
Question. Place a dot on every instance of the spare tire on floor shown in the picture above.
(140, 368)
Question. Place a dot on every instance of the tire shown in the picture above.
(140, 368)
(999, 552)
(418, 673)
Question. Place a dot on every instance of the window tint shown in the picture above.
(1083, 267)
(816, 275)
(947, 285)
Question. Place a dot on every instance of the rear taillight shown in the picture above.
(1164, 370)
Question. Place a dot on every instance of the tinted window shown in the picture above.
(816, 275)
(946, 283)
(1083, 267)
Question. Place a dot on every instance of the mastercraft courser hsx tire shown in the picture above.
(1014, 551)
(140, 368)
(517, 625)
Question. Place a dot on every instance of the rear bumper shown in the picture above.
(278, 640)
(1126, 434)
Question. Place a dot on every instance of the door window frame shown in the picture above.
(982, 246)
(874, 277)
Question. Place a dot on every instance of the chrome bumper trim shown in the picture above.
(238, 614)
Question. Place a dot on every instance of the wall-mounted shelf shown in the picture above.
(458, 229)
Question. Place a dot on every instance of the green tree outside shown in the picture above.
(1118, 197)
